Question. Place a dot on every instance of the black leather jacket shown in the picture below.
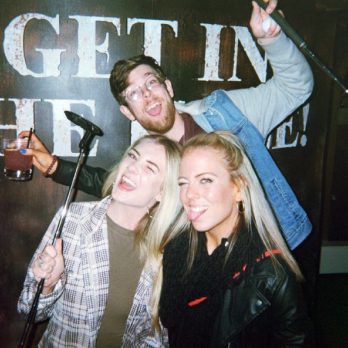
(265, 309)
(91, 179)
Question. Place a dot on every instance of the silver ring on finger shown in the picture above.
(40, 261)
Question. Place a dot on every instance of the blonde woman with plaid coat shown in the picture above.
(81, 295)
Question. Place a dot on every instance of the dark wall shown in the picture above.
(35, 89)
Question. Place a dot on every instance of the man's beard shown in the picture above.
(161, 126)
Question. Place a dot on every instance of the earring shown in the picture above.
(241, 207)
(148, 214)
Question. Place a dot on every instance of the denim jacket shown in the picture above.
(222, 114)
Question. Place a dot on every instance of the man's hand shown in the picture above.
(262, 26)
(42, 159)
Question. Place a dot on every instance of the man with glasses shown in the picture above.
(145, 94)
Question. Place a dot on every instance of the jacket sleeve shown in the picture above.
(291, 326)
(91, 179)
(46, 302)
(268, 104)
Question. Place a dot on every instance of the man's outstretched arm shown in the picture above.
(91, 179)
(268, 104)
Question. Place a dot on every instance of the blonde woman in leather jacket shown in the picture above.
(229, 280)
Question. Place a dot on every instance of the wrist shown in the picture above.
(52, 167)
(268, 40)
(46, 290)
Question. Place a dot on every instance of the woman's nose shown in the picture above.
(191, 191)
(133, 167)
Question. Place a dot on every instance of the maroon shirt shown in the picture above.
(191, 128)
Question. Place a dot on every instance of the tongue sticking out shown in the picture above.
(194, 215)
(125, 185)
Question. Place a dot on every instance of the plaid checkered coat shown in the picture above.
(76, 306)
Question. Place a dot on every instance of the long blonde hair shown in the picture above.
(257, 210)
(159, 226)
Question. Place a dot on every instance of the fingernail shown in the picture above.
(23, 151)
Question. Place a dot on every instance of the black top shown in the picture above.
(196, 307)
(190, 301)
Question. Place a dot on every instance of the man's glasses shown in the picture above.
(135, 93)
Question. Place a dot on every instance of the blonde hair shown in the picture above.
(159, 226)
(257, 210)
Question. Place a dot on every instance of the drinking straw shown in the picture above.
(29, 137)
